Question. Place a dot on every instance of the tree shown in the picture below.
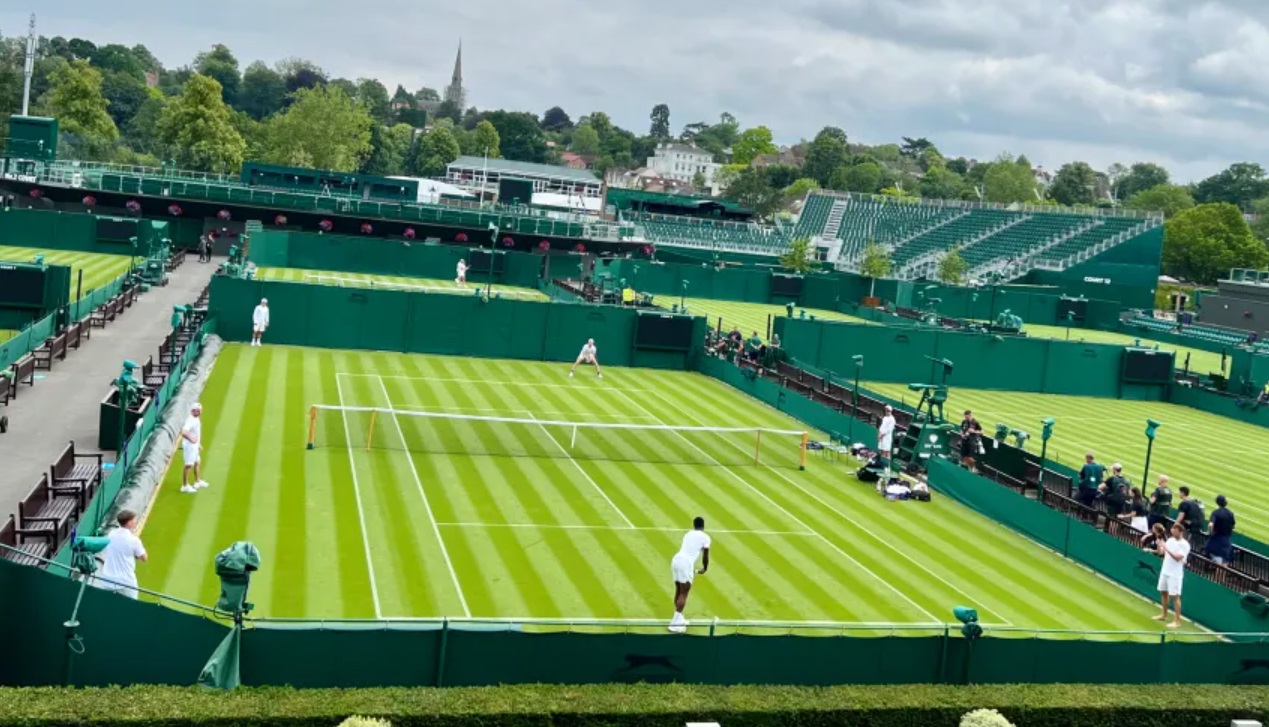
(425, 94)
(828, 151)
(864, 178)
(960, 165)
(449, 110)
(323, 129)
(197, 126)
(886, 153)
(124, 94)
(556, 120)
(698, 180)
(1075, 183)
(1203, 243)
(1008, 181)
(941, 183)
(484, 139)
(416, 118)
(343, 84)
(585, 140)
(660, 122)
(389, 147)
(913, 147)
(1166, 198)
(797, 258)
(520, 135)
(374, 96)
(753, 143)
(799, 189)
(219, 63)
(875, 264)
(1240, 184)
(76, 100)
(749, 187)
(115, 58)
(300, 73)
(262, 93)
(1138, 178)
(952, 268)
(433, 153)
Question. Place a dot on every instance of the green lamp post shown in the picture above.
(1045, 434)
(1152, 426)
(854, 403)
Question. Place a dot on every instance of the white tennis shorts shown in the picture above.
(885, 444)
(189, 452)
(683, 569)
(257, 328)
(1170, 585)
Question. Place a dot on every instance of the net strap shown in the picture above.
(535, 422)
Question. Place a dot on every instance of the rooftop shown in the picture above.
(525, 169)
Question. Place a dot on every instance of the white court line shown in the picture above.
(361, 515)
(585, 474)
(773, 533)
(843, 515)
(426, 505)
(506, 410)
(791, 516)
(487, 382)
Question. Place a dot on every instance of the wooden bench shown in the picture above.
(54, 347)
(26, 547)
(153, 376)
(22, 372)
(76, 475)
(42, 510)
(75, 335)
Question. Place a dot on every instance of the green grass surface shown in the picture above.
(1210, 454)
(748, 317)
(363, 280)
(6, 334)
(347, 531)
(98, 269)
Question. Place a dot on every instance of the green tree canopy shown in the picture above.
(433, 152)
(1008, 181)
(1074, 184)
(875, 264)
(864, 178)
(753, 143)
(941, 183)
(798, 188)
(952, 268)
(1203, 243)
(797, 258)
(1240, 184)
(142, 130)
(660, 117)
(555, 119)
(827, 152)
(262, 93)
(585, 140)
(1166, 198)
(219, 63)
(751, 188)
(374, 96)
(197, 126)
(118, 59)
(389, 147)
(75, 99)
(1138, 178)
(124, 95)
(484, 139)
(323, 129)
(520, 136)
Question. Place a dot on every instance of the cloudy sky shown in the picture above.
(1179, 82)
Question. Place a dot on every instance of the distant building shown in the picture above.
(481, 177)
(647, 180)
(454, 92)
(681, 163)
(576, 161)
(786, 157)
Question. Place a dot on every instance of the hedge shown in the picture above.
(1064, 705)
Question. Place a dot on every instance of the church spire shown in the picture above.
(457, 79)
(455, 92)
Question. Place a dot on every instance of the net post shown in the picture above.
(370, 435)
(757, 448)
(806, 436)
(312, 425)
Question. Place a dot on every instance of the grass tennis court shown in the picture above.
(98, 269)
(1211, 454)
(748, 317)
(443, 528)
(363, 280)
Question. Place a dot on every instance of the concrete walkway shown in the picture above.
(63, 406)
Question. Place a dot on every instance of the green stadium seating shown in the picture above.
(710, 234)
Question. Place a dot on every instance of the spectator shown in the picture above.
(1262, 399)
(1153, 539)
(1090, 479)
(753, 346)
(1190, 513)
(971, 440)
(1220, 546)
(1116, 498)
(1175, 552)
(118, 573)
(1136, 512)
(1161, 502)
(1116, 479)
(204, 249)
(775, 340)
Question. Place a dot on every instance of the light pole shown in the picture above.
(683, 298)
(1045, 433)
(1151, 427)
(854, 404)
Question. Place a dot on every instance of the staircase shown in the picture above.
(835, 216)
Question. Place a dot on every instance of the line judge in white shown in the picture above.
(191, 450)
(461, 278)
(683, 568)
(259, 321)
(118, 572)
(885, 435)
(589, 355)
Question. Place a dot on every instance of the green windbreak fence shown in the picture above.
(53, 230)
(170, 646)
(437, 323)
(33, 336)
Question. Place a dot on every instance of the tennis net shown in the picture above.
(430, 432)
(473, 288)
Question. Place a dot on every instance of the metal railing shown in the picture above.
(1006, 206)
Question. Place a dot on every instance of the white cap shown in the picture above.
(196, 407)
(264, 300)
(888, 408)
(1116, 466)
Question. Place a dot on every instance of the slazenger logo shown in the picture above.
(1098, 281)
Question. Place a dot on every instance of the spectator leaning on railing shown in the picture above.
(1161, 501)
(1190, 513)
(1220, 546)
(1090, 480)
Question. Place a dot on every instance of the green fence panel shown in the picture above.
(1082, 369)
(312, 657)
(26, 341)
(1219, 404)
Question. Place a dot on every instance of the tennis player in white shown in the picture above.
(588, 355)
(885, 435)
(683, 568)
(461, 280)
(191, 446)
(259, 321)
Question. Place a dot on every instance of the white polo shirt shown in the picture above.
(121, 561)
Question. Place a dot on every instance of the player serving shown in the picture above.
(588, 355)
(683, 567)
(461, 280)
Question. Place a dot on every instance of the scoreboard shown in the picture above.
(664, 331)
(786, 285)
(22, 285)
(1147, 366)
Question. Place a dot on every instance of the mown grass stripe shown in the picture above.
(356, 592)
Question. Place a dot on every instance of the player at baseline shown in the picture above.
(588, 355)
(190, 450)
(259, 321)
(683, 568)
(461, 280)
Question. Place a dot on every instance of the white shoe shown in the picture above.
(600, 375)
(570, 374)
(188, 489)
(201, 484)
(677, 629)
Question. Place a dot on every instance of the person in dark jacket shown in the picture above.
(1220, 546)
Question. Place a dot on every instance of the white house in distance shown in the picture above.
(681, 163)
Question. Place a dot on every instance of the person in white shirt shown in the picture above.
(259, 321)
(683, 568)
(885, 435)
(1174, 552)
(118, 572)
(461, 280)
(191, 446)
(588, 355)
